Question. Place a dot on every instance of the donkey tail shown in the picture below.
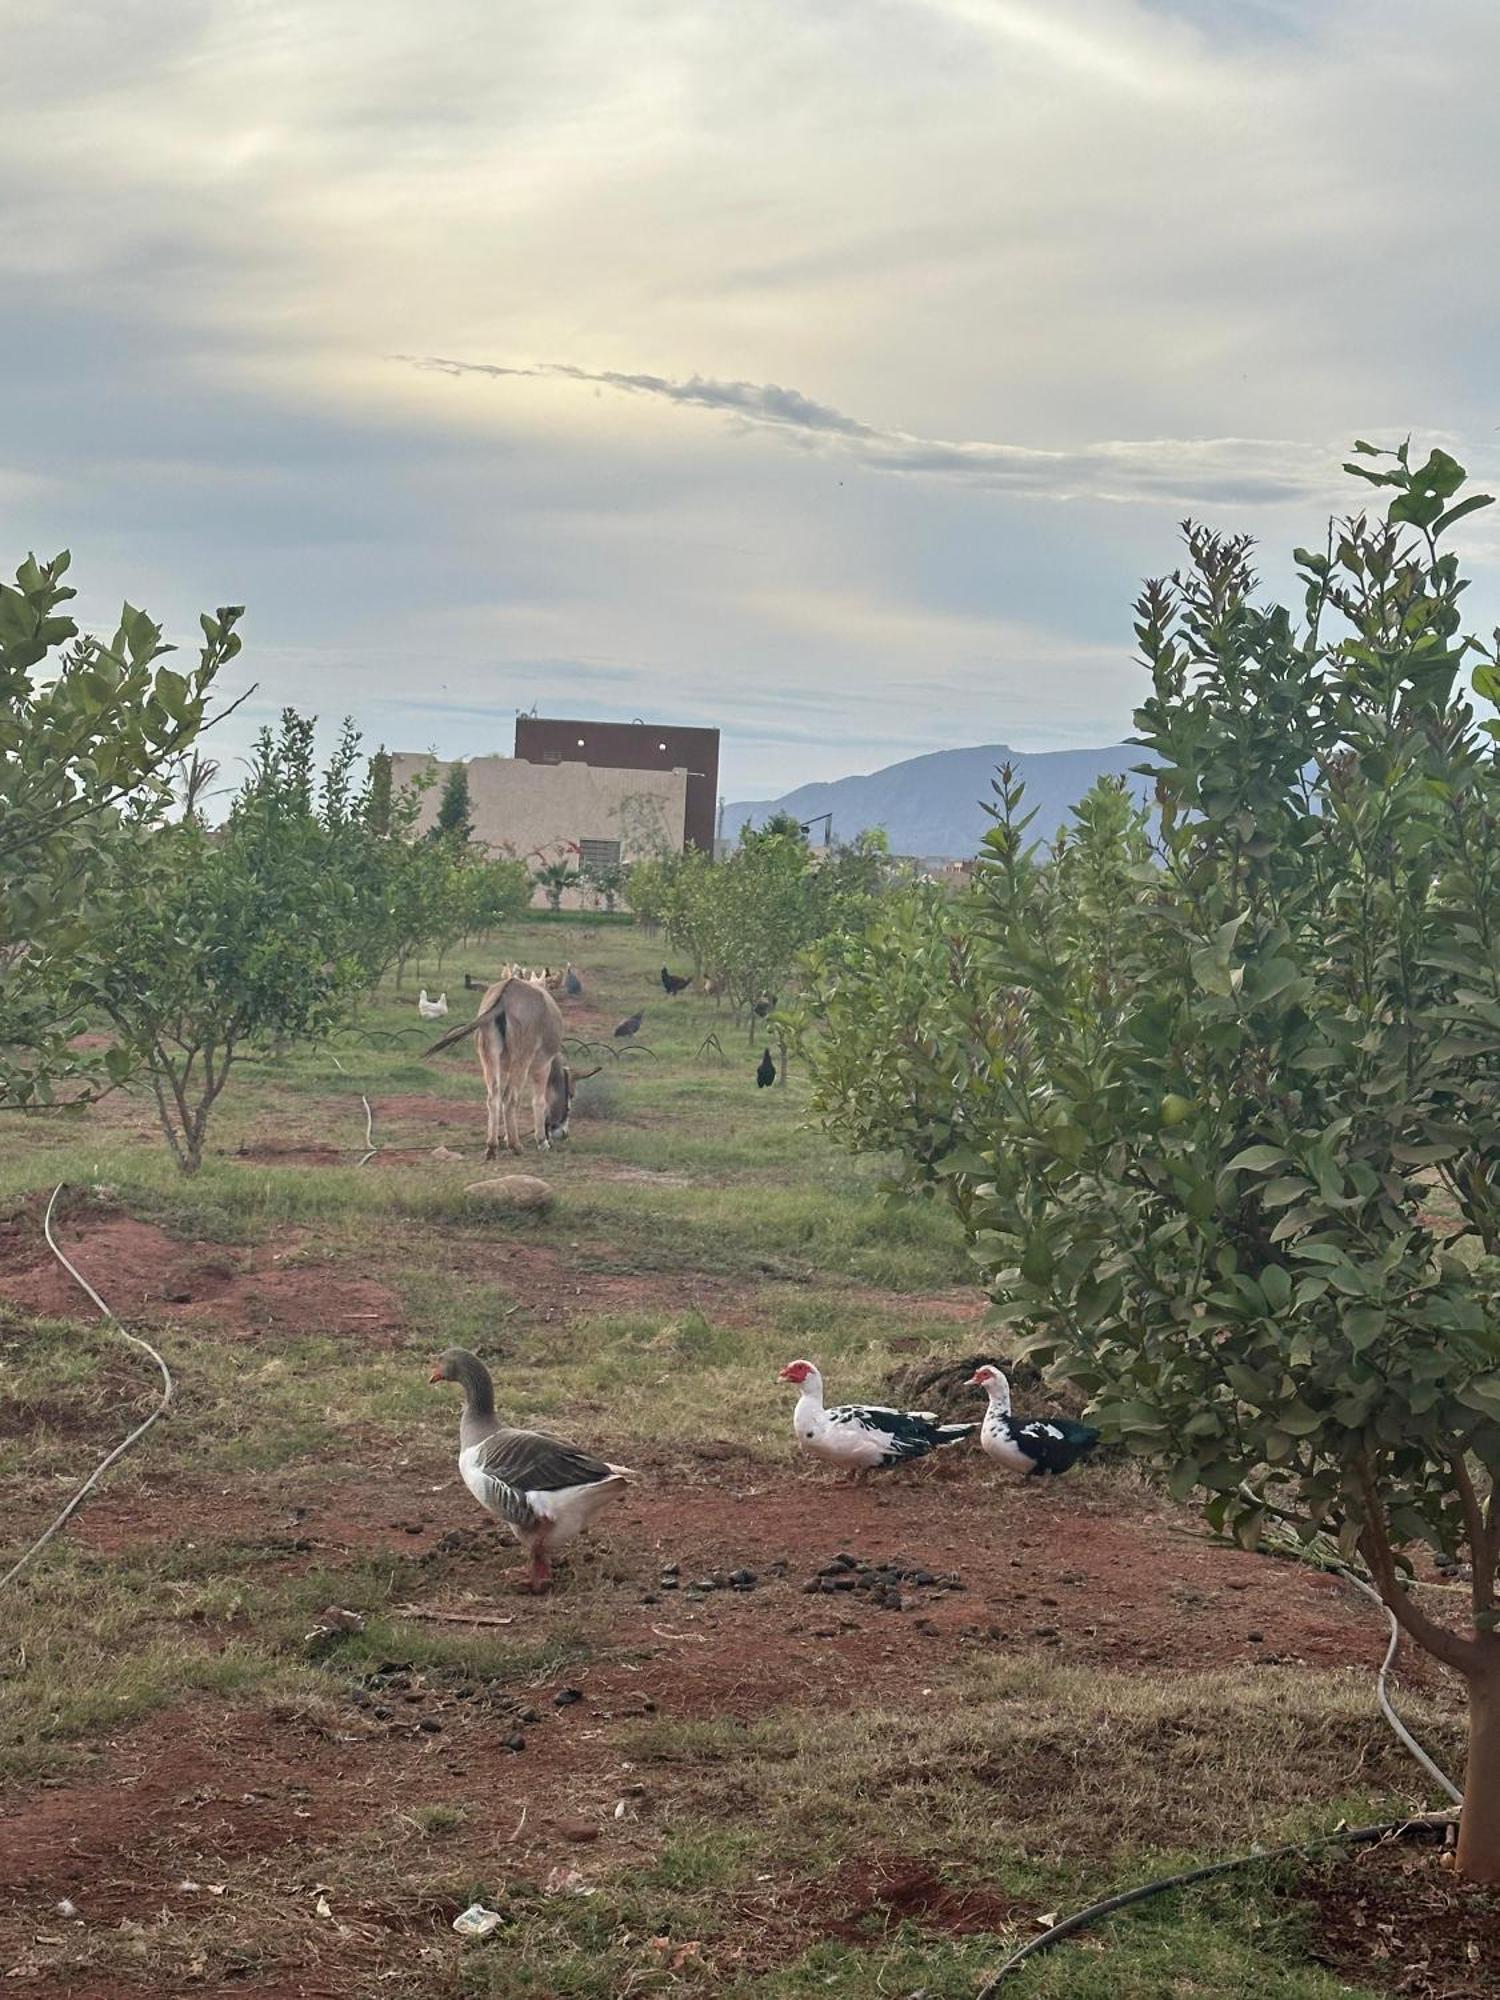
(495, 1014)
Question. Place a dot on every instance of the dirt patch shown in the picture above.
(147, 1275)
(883, 1894)
(942, 1385)
(251, 1795)
(1395, 1918)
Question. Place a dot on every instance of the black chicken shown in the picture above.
(671, 984)
(627, 1028)
(765, 1071)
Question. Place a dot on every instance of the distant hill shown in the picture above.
(931, 805)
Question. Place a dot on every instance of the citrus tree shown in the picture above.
(1238, 1168)
(215, 939)
(746, 920)
(92, 733)
(899, 1021)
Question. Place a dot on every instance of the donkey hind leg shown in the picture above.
(512, 1123)
(493, 1115)
(539, 1080)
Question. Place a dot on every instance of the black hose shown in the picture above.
(1425, 1824)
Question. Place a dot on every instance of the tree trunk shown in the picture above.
(1479, 1823)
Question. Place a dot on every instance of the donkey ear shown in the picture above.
(583, 1075)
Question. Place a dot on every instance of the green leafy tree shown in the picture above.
(746, 920)
(92, 735)
(379, 795)
(454, 824)
(216, 940)
(496, 893)
(1239, 1149)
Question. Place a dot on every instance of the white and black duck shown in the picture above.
(545, 1491)
(1028, 1444)
(863, 1436)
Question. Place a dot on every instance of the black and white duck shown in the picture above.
(1028, 1444)
(863, 1436)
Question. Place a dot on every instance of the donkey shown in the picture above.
(520, 1035)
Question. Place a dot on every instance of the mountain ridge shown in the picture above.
(930, 805)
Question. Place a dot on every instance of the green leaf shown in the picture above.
(1470, 506)
(1297, 1419)
(1256, 1159)
(1482, 1393)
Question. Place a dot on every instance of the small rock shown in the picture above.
(1044, 1631)
(1256, 1638)
(515, 1741)
(529, 1715)
(445, 1153)
(844, 1562)
(577, 1830)
(431, 1724)
(742, 1579)
(565, 1697)
(381, 1713)
(514, 1191)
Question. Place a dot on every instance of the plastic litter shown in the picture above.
(477, 1921)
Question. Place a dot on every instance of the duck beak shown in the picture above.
(975, 1382)
(784, 1375)
(437, 1375)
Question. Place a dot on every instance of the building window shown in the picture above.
(598, 854)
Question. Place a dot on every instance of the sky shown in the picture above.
(831, 373)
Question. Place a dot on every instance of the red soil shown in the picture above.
(148, 1275)
(217, 1790)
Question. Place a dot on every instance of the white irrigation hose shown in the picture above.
(1438, 1776)
(120, 1449)
(369, 1130)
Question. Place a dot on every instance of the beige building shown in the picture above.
(545, 812)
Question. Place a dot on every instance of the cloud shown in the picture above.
(1182, 471)
(899, 280)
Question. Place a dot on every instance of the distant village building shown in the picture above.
(637, 747)
(599, 793)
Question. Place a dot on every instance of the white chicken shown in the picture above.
(432, 1010)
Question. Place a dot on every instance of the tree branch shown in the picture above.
(1481, 1543)
(1455, 1651)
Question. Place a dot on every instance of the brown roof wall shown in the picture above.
(634, 746)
